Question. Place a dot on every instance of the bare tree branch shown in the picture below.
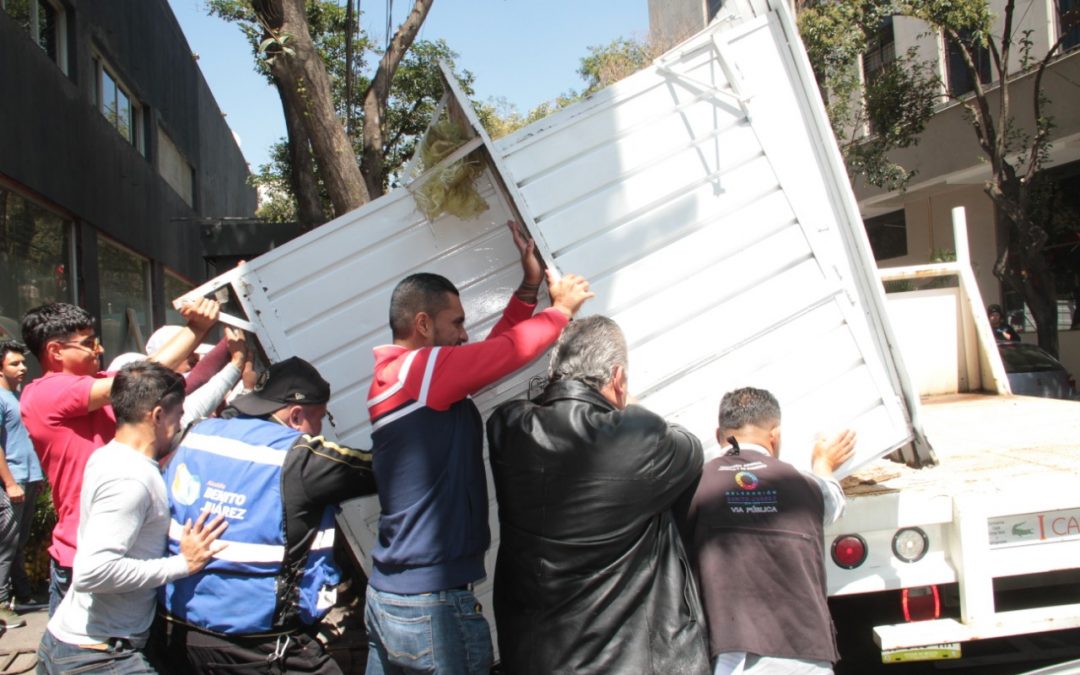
(375, 99)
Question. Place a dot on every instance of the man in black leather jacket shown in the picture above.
(591, 575)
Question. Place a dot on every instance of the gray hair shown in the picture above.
(749, 406)
(588, 351)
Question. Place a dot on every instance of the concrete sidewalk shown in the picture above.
(18, 646)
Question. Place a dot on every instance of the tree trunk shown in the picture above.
(305, 186)
(1022, 267)
(309, 97)
(378, 92)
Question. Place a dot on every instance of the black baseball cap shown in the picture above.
(288, 382)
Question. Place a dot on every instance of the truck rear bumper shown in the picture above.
(1001, 624)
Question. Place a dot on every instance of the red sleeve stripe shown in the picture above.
(396, 387)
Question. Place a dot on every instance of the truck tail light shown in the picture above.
(849, 551)
(920, 603)
(910, 544)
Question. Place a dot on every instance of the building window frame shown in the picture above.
(106, 311)
(1069, 34)
(957, 78)
(887, 233)
(45, 279)
(108, 86)
(59, 55)
(171, 279)
(880, 55)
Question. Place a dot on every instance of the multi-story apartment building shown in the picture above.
(911, 226)
(112, 149)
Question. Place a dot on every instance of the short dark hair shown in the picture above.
(11, 345)
(420, 292)
(748, 406)
(140, 387)
(55, 320)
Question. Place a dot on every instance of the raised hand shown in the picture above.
(201, 315)
(531, 268)
(568, 293)
(829, 454)
(236, 341)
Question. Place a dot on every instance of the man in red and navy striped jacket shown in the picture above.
(428, 461)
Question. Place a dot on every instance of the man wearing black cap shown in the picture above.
(278, 483)
(1003, 332)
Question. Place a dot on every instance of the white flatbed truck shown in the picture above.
(705, 199)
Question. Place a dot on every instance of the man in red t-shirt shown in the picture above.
(67, 411)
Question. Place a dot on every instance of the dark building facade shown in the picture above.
(112, 148)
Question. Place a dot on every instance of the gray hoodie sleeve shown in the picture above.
(201, 402)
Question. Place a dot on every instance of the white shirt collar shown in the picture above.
(747, 446)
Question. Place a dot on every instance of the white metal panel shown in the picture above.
(712, 234)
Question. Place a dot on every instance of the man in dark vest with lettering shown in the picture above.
(754, 529)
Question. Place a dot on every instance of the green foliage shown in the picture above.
(958, 16)
(414, 92)
(276, 202)
(895, 104)
(610, 63)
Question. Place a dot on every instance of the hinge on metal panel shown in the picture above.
(738, 91)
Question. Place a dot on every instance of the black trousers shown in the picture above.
(188, 650)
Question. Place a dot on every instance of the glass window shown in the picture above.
(888, 235)
(34, 250)
(46, 24)
(175, 286)
(118, 106)
(960, 80)
(125, 299)
(1069, 23)
(880, 51)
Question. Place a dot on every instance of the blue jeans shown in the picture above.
(443, 632)
(60, 658)
(59, 582)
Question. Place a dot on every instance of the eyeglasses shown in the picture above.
(90, 344)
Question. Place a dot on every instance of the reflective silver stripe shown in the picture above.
(396, 387)
(324, 539)
(387, 419)
(426, 384)
(238, 551)
(234, 449)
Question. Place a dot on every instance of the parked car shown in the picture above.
(1032, 371)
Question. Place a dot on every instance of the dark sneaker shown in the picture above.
(10, 619)
(29, 603)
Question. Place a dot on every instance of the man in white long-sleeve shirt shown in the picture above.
(104, 620)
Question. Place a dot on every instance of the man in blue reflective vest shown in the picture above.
(278, 483)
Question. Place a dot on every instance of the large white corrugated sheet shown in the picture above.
(702, 199)
(713, 232)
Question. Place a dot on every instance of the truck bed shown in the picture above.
(986, 444)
